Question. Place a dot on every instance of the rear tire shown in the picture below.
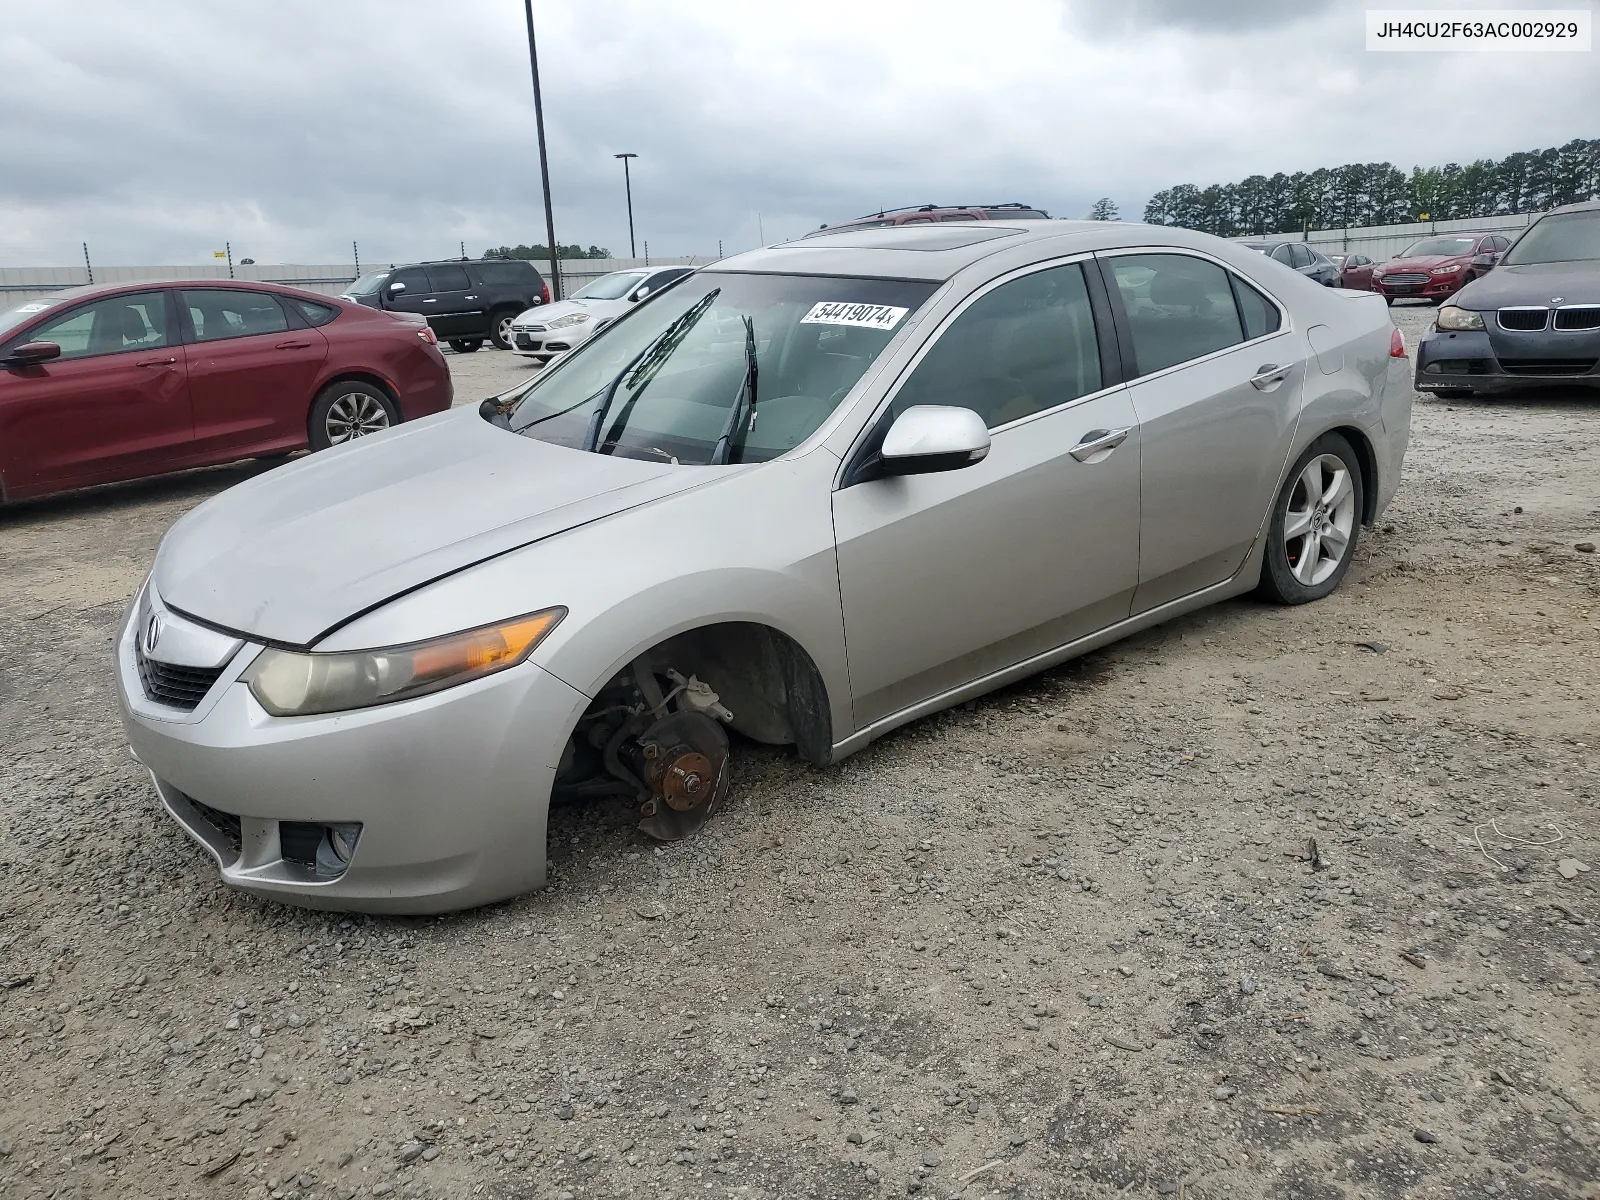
(1316, 522)
(500, 329)
(344, 411)
(465, 345)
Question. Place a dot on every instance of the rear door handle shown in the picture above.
(1098, 441)
(431, 300)
(155, 362)
(293, 345)
(1269, 376)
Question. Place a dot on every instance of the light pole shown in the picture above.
(544, 160)
(627, 182)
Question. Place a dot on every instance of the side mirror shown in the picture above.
(933, 437)
(34, 352)
(396, 288)
(1486, 260)
(641, 293)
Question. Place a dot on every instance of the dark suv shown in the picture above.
(464, 300)
(920, 214)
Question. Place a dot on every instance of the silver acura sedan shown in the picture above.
(808, 494)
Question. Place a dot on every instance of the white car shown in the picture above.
(548, 331)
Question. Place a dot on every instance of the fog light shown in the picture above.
(336, 849)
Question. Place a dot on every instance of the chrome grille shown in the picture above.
(174, 686)
(1578, 316)
(1523, 320)
(1405, 280)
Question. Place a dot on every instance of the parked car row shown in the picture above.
(465, 302)
(1533, 322)
(1433, 268)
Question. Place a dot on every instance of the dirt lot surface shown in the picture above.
(1072, 940)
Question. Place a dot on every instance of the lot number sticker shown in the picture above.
(865, 316)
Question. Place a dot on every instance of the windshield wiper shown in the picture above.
(746, 396)
(648, 359)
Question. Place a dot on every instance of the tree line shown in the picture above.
(1360, 194)
(542, 253)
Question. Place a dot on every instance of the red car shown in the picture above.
(1437, 267)
(1355, 272)
(99, 384)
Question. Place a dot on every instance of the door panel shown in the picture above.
(949, 577)
(251, 376)
(458, 308)
(114, 406)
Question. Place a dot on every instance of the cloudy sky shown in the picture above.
(157, 130)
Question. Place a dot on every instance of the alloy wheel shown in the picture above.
(504, 329)
(1320, 519)
(353, 415)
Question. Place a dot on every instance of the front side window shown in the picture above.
(220, 313)
(1302, 255)
(1026, 346)
(109, 326)
(1559, 237)
(414, 278)
(1178, 308)
(610, 287)
(671, 381)
(1283, 254)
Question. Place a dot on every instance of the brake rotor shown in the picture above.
(685, 759)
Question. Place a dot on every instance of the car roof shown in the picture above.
(1580, 206)
(91, 290)
(938, 252)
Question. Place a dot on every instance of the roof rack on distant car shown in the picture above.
(1012, 209)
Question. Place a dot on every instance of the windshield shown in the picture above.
(1561, 237)
(812, 339)
(1428, 247)
(610, 287)
(367, 284)
(25, 311)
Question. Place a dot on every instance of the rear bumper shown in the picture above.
(1469, 359)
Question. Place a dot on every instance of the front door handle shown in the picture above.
(294, 345)
(430, 300)
(1269, 376)
(155, 362)
(1098, 442)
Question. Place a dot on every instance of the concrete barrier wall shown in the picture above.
(1379, 242)
(18, 284)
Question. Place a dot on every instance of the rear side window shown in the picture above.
(219, 313)
(449, 279)
(1026, 346)
(1261, 316)
(314, 313)
(510, 273)
(1179, 308)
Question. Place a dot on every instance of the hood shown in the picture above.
(543, 314)
(290, 555)
(1536, 283)
(1424, 262)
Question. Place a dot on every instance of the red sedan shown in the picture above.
(100, 384)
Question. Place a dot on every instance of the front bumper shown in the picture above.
(450, 791)
(1470, 359)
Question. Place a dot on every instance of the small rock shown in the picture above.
(930, 1158)
(410, 1152)
(237, 1098)
(1583, 956)
(1570, 868)
(5, 1148)
(1247, 986)
(848, 1096)
(1224, 1093)
(296, 1021)
(1031, 1023)
(382, 1189)
(973, 1106)
(1584, 547)
(564, 1112)
(1422, 1135)
(854, 1137)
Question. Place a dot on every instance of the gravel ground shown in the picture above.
(1261, 903)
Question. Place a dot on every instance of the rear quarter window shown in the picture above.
(507, 274)
(314, 313)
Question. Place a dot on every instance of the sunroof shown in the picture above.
(912, 237)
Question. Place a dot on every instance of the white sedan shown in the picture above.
(549, 331)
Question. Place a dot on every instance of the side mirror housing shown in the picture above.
(34, 352)
(1486, 260)
(396, 288)
(640, 294)
(932, 437)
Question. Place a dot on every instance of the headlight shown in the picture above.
(1445, 270)
(1451, 317)
(288, 684)
(568, 321)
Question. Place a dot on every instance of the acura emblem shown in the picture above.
(152, 632)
